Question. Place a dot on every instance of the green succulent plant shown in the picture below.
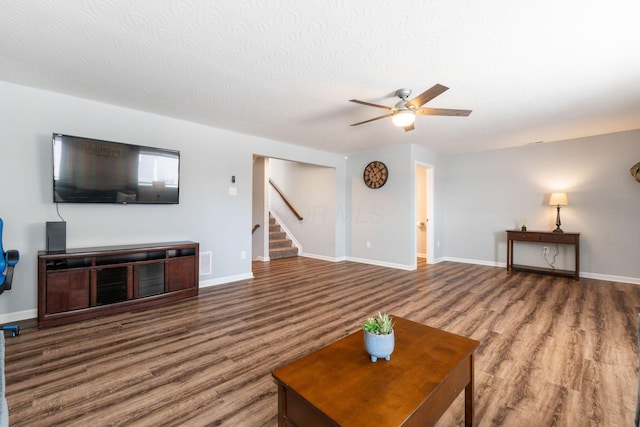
(382, 324)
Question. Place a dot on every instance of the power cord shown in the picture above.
(553, 261)
(58, 211)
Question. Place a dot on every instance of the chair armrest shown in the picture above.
(12, 256)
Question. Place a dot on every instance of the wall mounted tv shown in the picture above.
(89, 170)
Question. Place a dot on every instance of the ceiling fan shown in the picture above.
(404, 113)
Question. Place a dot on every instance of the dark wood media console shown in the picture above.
(85, 283)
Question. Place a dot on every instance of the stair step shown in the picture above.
(274, 227)
(278, 253)
(277, 235)
(279, 243)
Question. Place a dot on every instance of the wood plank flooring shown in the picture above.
(554, 352)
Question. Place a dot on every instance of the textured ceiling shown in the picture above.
(531, 71)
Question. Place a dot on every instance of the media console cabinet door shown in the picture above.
(67, 290)
(181, 273)
(148, 280)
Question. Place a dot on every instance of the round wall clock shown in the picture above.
(375, 174)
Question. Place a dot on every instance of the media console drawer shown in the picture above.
(543, 237)
(80, 284)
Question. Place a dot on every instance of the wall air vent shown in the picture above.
(206, 261)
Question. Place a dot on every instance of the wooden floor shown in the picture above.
(554, 352)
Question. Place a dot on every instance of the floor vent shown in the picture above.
(205, 263)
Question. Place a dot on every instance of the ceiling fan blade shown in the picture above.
(357, 101)
(408, 128)
(442, 112)
(371, 120)
(426, 96)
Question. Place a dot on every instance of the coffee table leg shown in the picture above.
(468, 397)
(281, 405)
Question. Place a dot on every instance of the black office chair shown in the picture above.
(8, 260)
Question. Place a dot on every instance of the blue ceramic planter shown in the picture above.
(379, 346)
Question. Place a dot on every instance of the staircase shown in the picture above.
(279, 245)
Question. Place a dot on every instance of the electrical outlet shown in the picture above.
(545, 250)
(243, 255)
(368, 245)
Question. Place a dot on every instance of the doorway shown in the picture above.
(424, 212)
(309, 218)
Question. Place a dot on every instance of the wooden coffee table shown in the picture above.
(340, 386)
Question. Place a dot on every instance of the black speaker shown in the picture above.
(56, 236)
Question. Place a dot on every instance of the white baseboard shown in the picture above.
(384, 264)
(33, 314)
(586, 275)
(290, 236)
(322, 257)
(475, 261)
(223, 280)
(17, 316)
(610, 278)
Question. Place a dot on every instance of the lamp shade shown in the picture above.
(558, 199)
(404, 118)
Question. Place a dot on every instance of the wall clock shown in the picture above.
(375, 174)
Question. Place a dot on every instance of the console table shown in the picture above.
(543, 237)
(84, 283)
(340, 386)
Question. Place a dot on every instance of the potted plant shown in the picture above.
(379, 339)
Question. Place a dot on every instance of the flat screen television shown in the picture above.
(87, 170)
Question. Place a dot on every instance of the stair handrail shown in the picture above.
(255, 227)
(286, 200)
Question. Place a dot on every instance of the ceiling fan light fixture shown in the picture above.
(403, 118)
(404, 113)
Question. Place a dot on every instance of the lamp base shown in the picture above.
(558, 229)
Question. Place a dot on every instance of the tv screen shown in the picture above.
(89, 170)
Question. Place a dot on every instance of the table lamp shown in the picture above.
(558, 199)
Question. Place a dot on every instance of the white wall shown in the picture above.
(206, 213)
(386, 217)
(382, 219)
(312, 191)
(490, 192)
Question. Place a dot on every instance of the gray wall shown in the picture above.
(382, 219)
(206, 213)
(490, 192)
(312, 191)
(386, 217)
